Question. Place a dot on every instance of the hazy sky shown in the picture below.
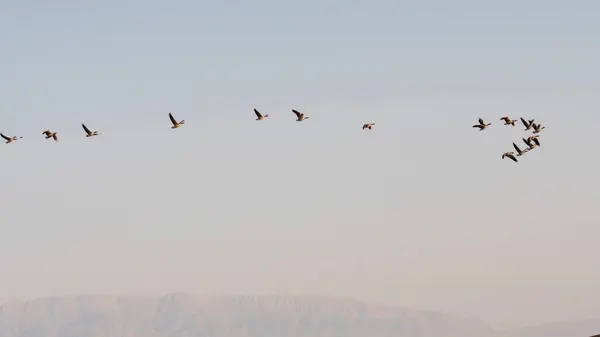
(419, 212)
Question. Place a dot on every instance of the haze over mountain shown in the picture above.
(183, 315)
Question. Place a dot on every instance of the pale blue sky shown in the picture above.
(419, 212)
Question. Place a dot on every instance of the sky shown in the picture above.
(419, 212)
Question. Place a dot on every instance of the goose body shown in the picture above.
(368, 126)
(510, 155)
(9, 139)
(49, 135)
(508, 121)
(299, 115)
(175, 123)
(537, 128)
(259, 116)
(482, 125)
(88, 132)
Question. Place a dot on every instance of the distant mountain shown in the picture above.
(584, 328)
(182, 315)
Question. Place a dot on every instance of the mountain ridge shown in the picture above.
(181, 314)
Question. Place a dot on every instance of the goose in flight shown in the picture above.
(368, 126)
(519, 151)
(481, 125)
(9, 139)
(49, 135)
(527, 123)
(534, 139)
(259, 116)
(510, 155)
(88, 132)
(508, 121)
(299, 115)
(537, 128)
(530, 142)
(175, 123)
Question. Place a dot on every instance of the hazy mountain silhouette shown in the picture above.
(182, 315)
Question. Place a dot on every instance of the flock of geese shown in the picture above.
(532, 141)
(176, 124)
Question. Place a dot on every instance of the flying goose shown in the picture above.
(368, 126)
(527, 123)
(175, 123)
(49, 135)
(508, 121)
(10, 139)
(530, 142)
(534, 139)
(519, 151)
(88, 132)
(537, 128)
(299, 115)
(259, 116)
(481, 125)
(510, 155)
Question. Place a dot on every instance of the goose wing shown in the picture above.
(481, 121)
(257, 113)
(172, 119)
(298, 114)
(511, 156)
(3, 136)
(86, 129)
(524, 122)
(536, 141)
(517, 148)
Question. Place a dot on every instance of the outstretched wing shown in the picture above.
(517, 148)
(536, 141)
(298, 114)
(86, 129)
(512, 157)
(524, 122)
(3, 136)
(172, 119)
(257, 113)
(481, 121)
